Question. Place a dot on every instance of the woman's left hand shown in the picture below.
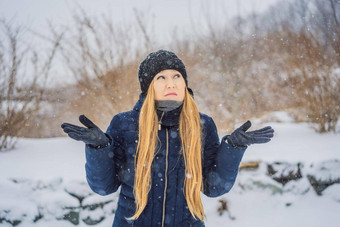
(241, 138)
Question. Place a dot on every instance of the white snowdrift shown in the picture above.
(41, 175)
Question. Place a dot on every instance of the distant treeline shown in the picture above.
(285, 59)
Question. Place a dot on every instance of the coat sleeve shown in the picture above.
(102, 164)
(220, 162)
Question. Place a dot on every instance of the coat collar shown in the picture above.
(169, 118)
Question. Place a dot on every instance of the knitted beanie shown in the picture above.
(156, 62)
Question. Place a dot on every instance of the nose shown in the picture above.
(170, 84)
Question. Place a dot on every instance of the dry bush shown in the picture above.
(19, 99)
(245, 69)
(307, 41)
(115, 92)
(256, 65)
(237, 75)
(285, 59)
(104, 58)
(313, 79)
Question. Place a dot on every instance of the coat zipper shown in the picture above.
(160, 122)
(166, 166)
(166, 175)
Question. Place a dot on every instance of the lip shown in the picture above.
(172, 93)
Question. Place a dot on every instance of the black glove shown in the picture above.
(241, 138)
(91, 135)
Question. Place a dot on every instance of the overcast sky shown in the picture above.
(166, 13)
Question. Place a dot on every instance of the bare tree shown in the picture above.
(284, 59)
(103, 57)
(19, 101)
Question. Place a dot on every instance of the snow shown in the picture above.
(296, 143)
(256, 209)
(327, 170)
(42, 176)
(57, 157)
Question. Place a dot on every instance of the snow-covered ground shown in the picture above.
(42, 176)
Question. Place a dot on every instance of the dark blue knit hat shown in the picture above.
(156, 62)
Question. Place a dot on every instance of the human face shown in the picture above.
(169, 84)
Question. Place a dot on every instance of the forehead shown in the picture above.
(168, 72)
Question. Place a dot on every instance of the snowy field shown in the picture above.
(44, 179)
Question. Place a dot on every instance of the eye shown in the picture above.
(160, 77)
(177, 76)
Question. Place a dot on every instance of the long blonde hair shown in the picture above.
(190, 134)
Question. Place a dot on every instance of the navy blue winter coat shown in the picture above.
(113, 166)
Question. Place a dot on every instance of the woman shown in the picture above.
(164, 152)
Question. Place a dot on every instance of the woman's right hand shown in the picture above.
(91, 135)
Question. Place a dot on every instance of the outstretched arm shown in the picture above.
(221, 160)
(101, 149)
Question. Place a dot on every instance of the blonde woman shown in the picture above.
(164, 152)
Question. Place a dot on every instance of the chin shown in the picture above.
(172, 98)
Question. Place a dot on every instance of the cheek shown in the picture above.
(182, 90)
(182, 86)
(157, 89)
